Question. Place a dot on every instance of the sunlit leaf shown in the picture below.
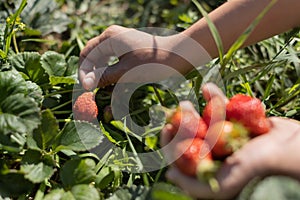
(78, 136)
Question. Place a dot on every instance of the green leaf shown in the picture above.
(11, 82)
(85, 192)
(240, 41)
(121, 126)
(161, 191)
(37, 173)
(104, 177)
(78, 171)
(29, 64)
(213, 29)
(59, 194)
(36, 166)
(281, 187)
(53, 63)
(128, 193)
(72, 66)
(14, 185)
(78, 136)
(19, 114)
(31, 157)
(45, 134)
(55, 80)
(35, 92)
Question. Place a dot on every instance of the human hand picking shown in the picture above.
(157, 55)
(268, 154)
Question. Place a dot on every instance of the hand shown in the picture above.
(272, 153)
(134, 49)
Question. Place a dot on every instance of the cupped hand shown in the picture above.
(269, 154)
(134, 48)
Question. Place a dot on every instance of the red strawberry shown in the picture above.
(214, 111)
(187, 122)
(191, 152)
(85, 107)
(195, 159)
(248, 111)
(225, 137)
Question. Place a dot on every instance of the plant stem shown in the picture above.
(61, 105)
(15, 43)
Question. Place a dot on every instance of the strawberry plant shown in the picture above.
(49, 151)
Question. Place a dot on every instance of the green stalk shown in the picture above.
(213, 30)
(61, 105)
(240, 41)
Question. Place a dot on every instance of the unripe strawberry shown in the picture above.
(85, 107)
(249, 112)
(107, 114)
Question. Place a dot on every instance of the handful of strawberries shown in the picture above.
(203, 142)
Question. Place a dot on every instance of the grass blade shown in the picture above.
(240, 41)
(213, 30)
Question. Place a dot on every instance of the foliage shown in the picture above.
(46, 154)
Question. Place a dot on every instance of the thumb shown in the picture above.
(101, 77)
(211, 90)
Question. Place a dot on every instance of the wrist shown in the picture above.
(184, 53)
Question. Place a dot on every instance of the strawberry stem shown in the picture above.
(214, 184)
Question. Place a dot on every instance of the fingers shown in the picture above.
(190, 185)
(210, 90)
(165, 135)
(95, 56)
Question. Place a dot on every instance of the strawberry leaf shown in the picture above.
(53, 63)
(59, 194)
(78, 171)
(85, 192)
(72, 66)
(78, 136)
(45, 134)
(11, 82)
(29, 64)
(37, 173)
(14, 184)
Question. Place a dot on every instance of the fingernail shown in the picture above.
(88, 83)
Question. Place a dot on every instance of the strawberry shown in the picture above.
(85, 107)
(214, 111)
(225, 137)
(187, 122)
(195, 159)
(249, 112)
(191, 152)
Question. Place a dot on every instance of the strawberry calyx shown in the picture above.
(238, 137)
(206, 171)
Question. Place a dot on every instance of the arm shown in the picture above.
(233, 17)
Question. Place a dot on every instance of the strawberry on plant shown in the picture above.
(187, 122)
(225, 137)
(248, 111)
(85, 107)
(214, 111)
